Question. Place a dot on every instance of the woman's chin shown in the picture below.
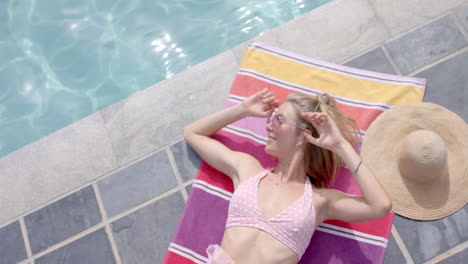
(271, 150)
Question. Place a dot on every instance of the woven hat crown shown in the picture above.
(422, 157)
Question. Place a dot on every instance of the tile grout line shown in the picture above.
(27, 244)
(187, 183)
(26, 261)
(459, 25)
(448, 253)
(110, 236)
(401, 245)
(390, 59)
(180, 182)
(103, 224)
(440, 60)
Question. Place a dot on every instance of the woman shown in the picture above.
(273, 213)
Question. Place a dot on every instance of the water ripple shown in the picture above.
(63, 60)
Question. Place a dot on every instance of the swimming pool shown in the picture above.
(63, 60)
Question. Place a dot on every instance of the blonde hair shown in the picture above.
(322, 164)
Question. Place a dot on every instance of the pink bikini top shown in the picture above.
(293, 226)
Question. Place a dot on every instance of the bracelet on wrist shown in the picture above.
(357, 168)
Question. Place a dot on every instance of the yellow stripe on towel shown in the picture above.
(341, 84)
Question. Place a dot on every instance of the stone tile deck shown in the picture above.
(12, 247)
(121, 201)
(425, 45)
(62, 219)
(137, 183)
(93, 248)
(143, 236)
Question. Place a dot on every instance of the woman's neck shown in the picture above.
(291, 170)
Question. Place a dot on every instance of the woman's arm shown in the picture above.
(374, 203)
(198, 134)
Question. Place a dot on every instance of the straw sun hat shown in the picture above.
(419, 153)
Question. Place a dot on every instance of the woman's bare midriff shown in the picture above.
(252, 245)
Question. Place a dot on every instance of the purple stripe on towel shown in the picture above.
(202, 222)
(329, 248)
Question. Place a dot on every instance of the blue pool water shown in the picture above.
(61, 60)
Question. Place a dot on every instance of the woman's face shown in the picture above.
(283, 137)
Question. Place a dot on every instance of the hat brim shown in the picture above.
(380, 148)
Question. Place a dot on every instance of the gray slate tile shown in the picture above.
(393, 253)
(137, 183)
(427, 239)
(447, 84)
(90, 249)
(188, 188)
(462, 15)
(12, 248)
(62, 219)
(187, 160)
(144, 236)
(374, 60)
(425, 45)
(458, 258)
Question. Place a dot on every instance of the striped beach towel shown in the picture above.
(362, 95)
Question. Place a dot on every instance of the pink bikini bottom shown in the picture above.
(216, 255)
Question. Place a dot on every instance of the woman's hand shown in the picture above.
(261, 104)
(330, 136)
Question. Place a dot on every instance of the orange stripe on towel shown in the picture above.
(245, 86)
